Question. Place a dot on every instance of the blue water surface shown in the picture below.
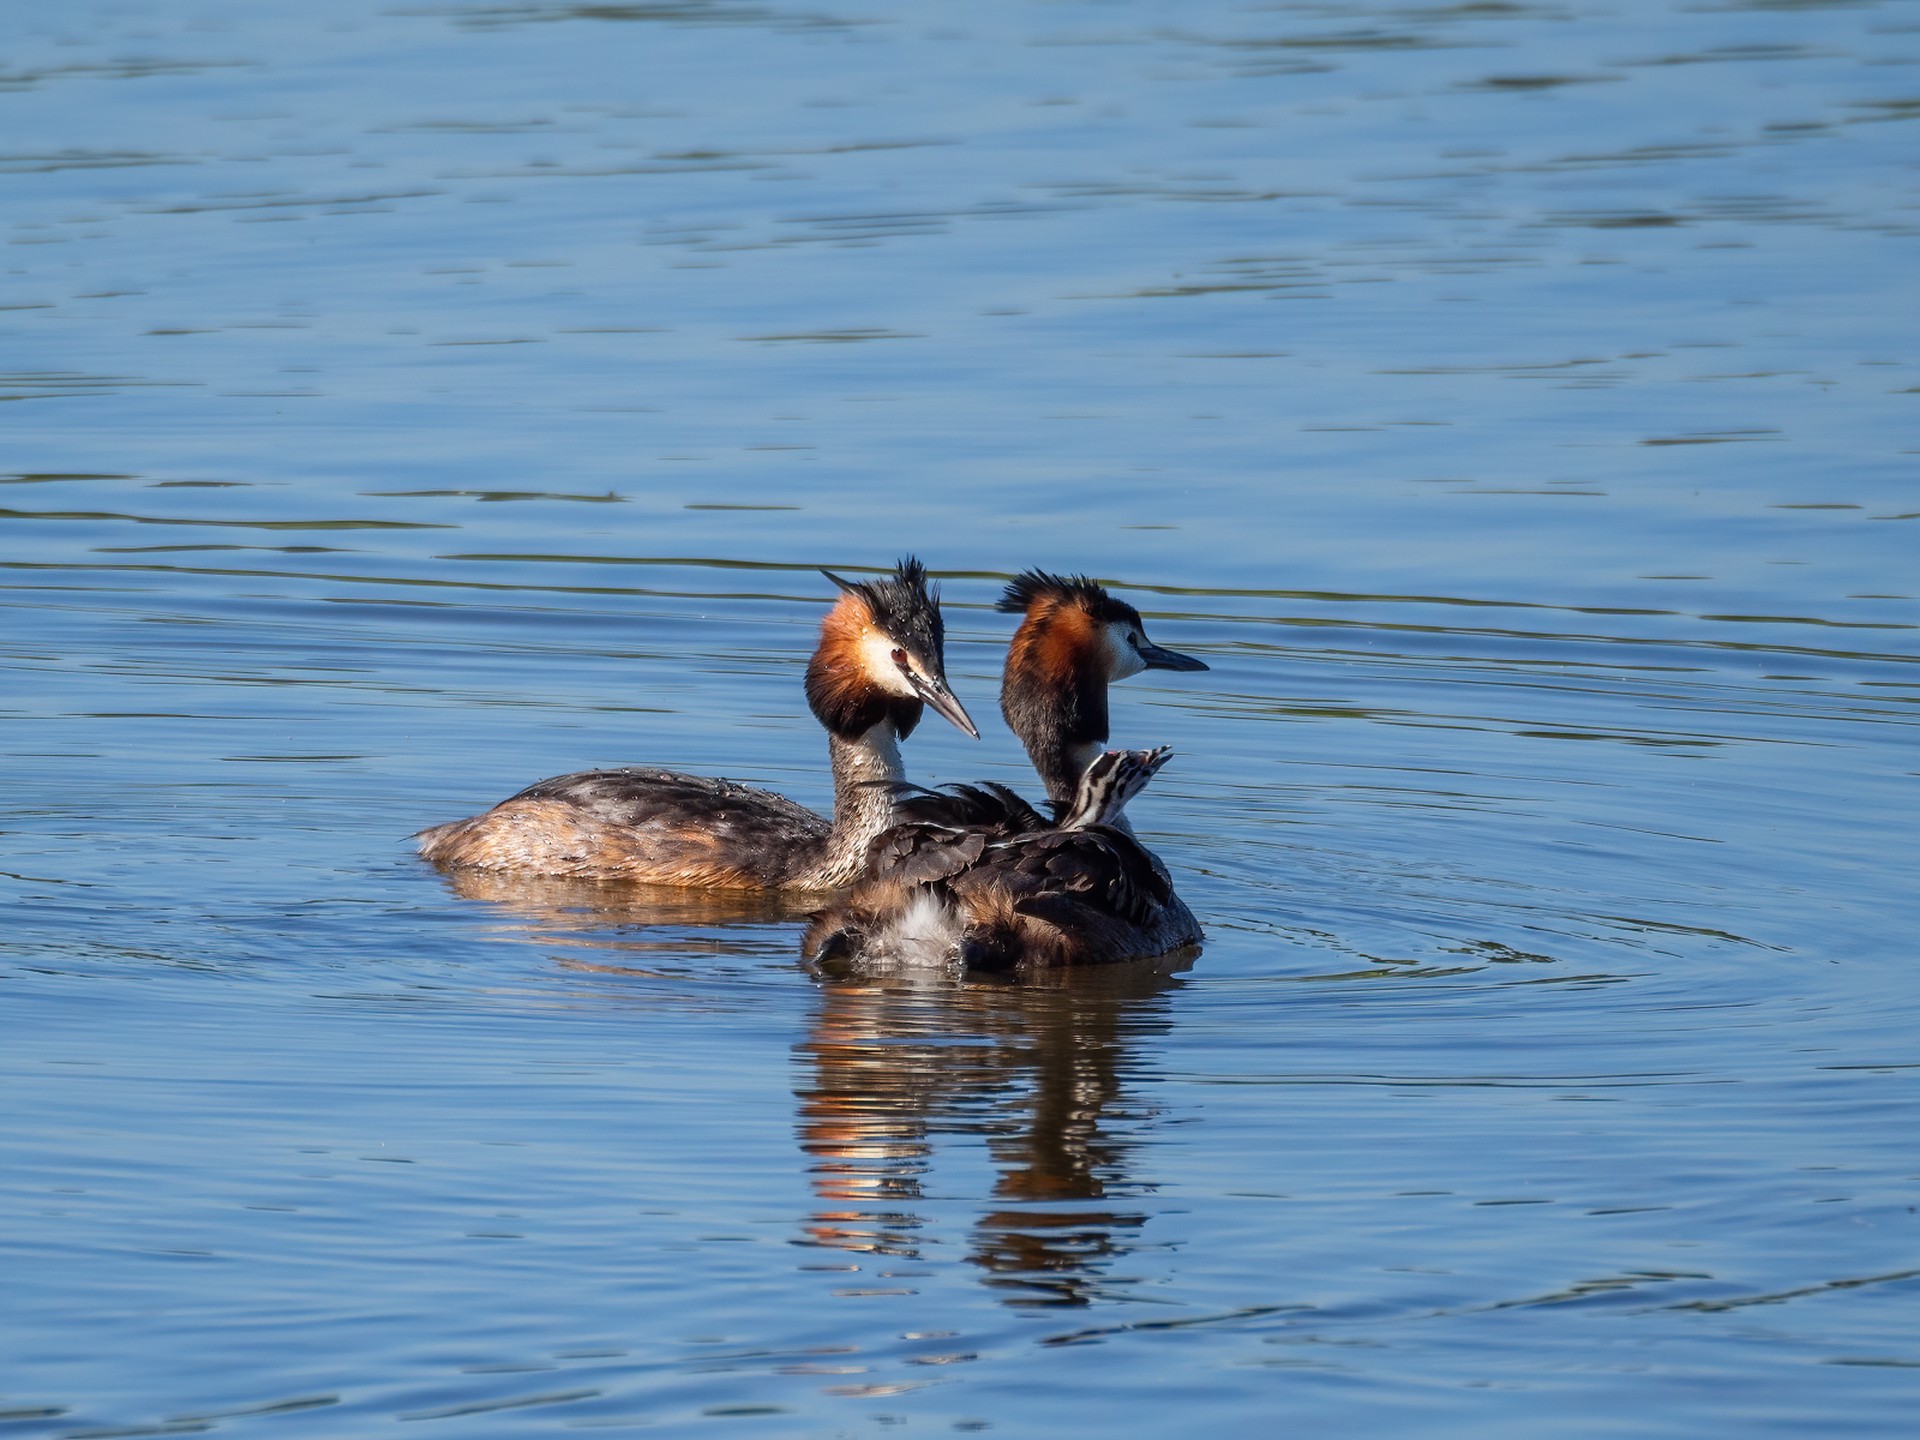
(1514, 404)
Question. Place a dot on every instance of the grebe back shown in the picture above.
(1077, 893)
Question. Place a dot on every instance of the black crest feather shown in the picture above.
(1083, 591)
(906, 605)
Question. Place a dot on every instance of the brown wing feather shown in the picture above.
(1094, 869)
(922, 854)
(941, 832)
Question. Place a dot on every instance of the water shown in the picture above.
(1513, 404)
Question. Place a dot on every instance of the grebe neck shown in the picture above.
(865, 771)
(1064, 731)
(1060, 762)
(1060, 714)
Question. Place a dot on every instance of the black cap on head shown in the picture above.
(906, 605)
(1079, 590)
(906, 608)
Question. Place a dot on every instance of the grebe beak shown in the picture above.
(936, 694)
(1158, 659)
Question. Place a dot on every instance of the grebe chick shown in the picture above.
(1074, 640)
(881, 659)
(1077, 893)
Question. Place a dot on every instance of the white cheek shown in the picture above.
(876, 658)
(1122, 659)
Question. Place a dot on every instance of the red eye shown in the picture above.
(900, 658)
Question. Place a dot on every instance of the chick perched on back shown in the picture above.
(972, 875)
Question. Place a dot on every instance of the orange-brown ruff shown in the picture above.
(880, 660)
(976, 875)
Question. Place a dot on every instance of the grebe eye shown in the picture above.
(900, 658)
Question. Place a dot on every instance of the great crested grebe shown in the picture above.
(995, 894)
(1074, 640)
(880, 660)
(975, 872)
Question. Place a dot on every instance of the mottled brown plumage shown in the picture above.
(880, 659)
(656, 825)
(970, 878)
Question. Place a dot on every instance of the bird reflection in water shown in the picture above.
(616, 916)
(1040, 1068)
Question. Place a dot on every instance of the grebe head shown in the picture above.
(1074, 641)
(1075, 630)
(1109, 782)
(882, 655)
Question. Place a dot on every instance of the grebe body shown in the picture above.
(963, 879)
(880, 661)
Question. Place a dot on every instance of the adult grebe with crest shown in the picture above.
(880, 662)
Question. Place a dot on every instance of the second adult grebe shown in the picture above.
(880, 660)
(1074, 640)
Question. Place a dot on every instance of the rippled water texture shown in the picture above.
(1514, 404)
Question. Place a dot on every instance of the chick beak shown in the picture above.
(1159, 659)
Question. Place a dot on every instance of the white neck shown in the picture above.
(864, 774)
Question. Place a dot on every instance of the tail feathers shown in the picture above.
(832, 935)
(1001, 932)
(991, 933)
(885, 921)
(930, 925)
(985, 931)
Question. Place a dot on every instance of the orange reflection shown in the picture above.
(1040, 1068)
(560, 903)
